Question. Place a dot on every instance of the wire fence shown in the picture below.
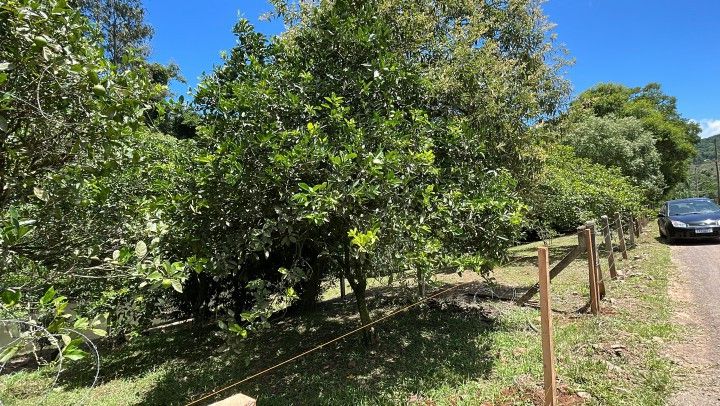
(490, 288)
(326, 343)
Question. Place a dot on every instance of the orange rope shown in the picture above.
(402, 309)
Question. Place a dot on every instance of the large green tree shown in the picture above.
(122, 24)
(573, 190)
(622, 143)
(374, 137)
(675, 137)
(67, 118)
(62, 101)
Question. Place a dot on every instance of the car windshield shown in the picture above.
(693, 207)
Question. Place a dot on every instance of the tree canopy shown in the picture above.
(622, 143)
(372, 138)
(675, 137)
(122, 25)
(373, 126)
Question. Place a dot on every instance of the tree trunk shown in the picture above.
(358, 283)
(359, 290)
(309, 290)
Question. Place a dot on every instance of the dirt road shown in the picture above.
(697, 291)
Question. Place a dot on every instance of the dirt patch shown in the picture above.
(698, 354)
(466, 304)
(536, 395)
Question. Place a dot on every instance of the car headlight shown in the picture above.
(679, 224)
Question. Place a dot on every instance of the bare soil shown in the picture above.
(696, 290)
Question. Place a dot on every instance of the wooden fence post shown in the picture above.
(621, 235)
(631, 232)
(636, 223)
(608, 246)
(592, 274)
(546, 328)
(598, 270)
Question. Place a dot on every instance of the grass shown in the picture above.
(484, 354)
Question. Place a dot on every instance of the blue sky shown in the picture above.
(633, 42)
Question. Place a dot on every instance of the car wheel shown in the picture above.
(662, 233)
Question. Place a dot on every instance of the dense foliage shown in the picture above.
(363, 138)
(573, 190)
(621, 143)
(675, 137)
(372, 138)
(706, 149)
(67, 117)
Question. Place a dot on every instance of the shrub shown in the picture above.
(573, 190)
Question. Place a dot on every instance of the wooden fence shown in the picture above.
(586, 245)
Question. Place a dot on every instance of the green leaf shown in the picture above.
(247, 316)
(99, 332)
(99, 319)
(177, 285)
(236, 328)
(48, 296)
(8, 353)
(99, 90)
(154, 276)
(10, 298)
(40, 194)
(94, 78)
(74, 353)
(140, 249)
(82, 323)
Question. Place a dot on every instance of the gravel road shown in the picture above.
(698, 292)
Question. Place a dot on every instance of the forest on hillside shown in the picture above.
(702, 179)
(706, 149)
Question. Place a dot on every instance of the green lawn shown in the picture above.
(487, 354)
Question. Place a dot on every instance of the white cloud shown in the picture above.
(709, 127)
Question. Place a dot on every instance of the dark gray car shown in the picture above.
(689, 218)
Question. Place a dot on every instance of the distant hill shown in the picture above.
(706, 148)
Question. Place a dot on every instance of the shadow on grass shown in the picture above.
(421, 350)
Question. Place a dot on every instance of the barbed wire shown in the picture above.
(53, 339)
(96, 353)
